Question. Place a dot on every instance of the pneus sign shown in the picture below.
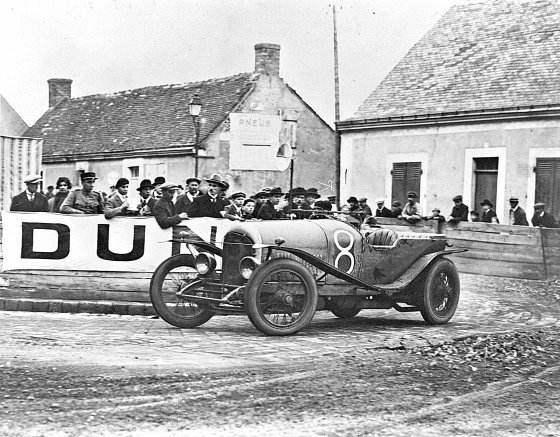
(43, 241)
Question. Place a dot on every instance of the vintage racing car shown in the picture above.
(280, 272)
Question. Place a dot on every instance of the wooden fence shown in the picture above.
(498, 250)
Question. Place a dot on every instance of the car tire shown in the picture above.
(440, 292)
(275, 308)
(170, 276)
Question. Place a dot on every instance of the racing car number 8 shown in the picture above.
(344, 241)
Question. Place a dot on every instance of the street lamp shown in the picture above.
(195, 105)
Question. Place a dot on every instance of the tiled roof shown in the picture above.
(488, 55)
(144, 119)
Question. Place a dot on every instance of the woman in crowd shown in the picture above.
(63, 185)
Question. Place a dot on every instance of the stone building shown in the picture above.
(472, 109)
(249, 124)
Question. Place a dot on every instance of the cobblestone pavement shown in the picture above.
(140, 342)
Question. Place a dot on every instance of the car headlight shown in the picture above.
(205, 263)
(248, 265)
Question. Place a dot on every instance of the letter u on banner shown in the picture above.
(103, 251)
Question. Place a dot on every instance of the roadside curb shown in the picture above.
(76, 306)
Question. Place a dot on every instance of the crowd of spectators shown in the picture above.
(170, 204)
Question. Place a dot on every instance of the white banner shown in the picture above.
(45, 241)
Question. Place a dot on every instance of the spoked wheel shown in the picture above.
(172, 278)
(441, 292)
(281, 297)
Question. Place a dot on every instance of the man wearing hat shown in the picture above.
(30, 200)
(311, 197)
(541, 218)
(412, 211)
(517, 214)
(185, 201)
(459, 212)
(269, 210)
(260, 199)
(118, 203)
(435, 215)
(298, 209)
(84, 200)
(381, 210)
(164, 209)
(396, 209)
(488, 215)
(147, 202)
(156, 191)
(234, 211)
(210, 204)
(353, 208)
(363, 208)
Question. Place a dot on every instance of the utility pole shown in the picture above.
(336, 111)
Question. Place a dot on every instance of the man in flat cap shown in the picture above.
(488, 214)
(210, 204)
(164, 209)
(459, 212)
(30, 200)
(412, 211)
(382, 210)
(396, 209)
(234, 211)
(364, 209)
(517, 214)
(118, 203)
(84, 200)
(184, 201)
(541, 218)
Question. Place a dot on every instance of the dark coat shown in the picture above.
(546, 221)
(22, 203)
(164, 212)
(300, 211)
(56, 202)
(519, 217)
(459, 213)
(203, 206)
(268, 212)
(183, 203)
(383, 212)
(486, 216)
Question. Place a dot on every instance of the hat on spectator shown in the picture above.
(159, 180)
(197, 180)
(458, 198)
(88, 175)
(146, 183)
(436, 209)
(396, 203)
(332, 198)
(169, 186)
(486, 202)
(33, 179)
(238, 194)
(514, 199)
(218, 180)
(380, 200)
(362, 200)
(540, 205)
(325, 205)
(312, 192)
(298, 191)
(352, 199)
(247, 200)
(263, 192)
(412, 195)
(121, 182)
(276, 191)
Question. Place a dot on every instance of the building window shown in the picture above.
(486, 180)
(406, 177)
(134, 172)
(547, 185)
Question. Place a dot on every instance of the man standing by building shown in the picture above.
(118, 203)
(234, 211)
(147, 202)
(185, 201)
(488, 214)
(298, 209)
(517, 214)
(364, 208)
(84, 200)
(543, 218)
(412, 211)
(30, 200)
(459, 212)
(269, 210)
(382, 210)
(210, 204)
(164, 209)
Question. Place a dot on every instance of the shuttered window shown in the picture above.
(547, 187)
(406, 177)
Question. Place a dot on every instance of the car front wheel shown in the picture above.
(441, 292)
(281, 297)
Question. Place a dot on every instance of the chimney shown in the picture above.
(59, 89)
(267, 59)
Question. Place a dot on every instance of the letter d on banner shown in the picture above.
(63, 247)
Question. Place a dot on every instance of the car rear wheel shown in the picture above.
(441, 292)
(173, 278)
(281, 297)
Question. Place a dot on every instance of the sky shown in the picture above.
(107, 46)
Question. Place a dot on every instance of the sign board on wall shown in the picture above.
(254, 141)
(45, 241)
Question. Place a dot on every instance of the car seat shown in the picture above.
(382, 237)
